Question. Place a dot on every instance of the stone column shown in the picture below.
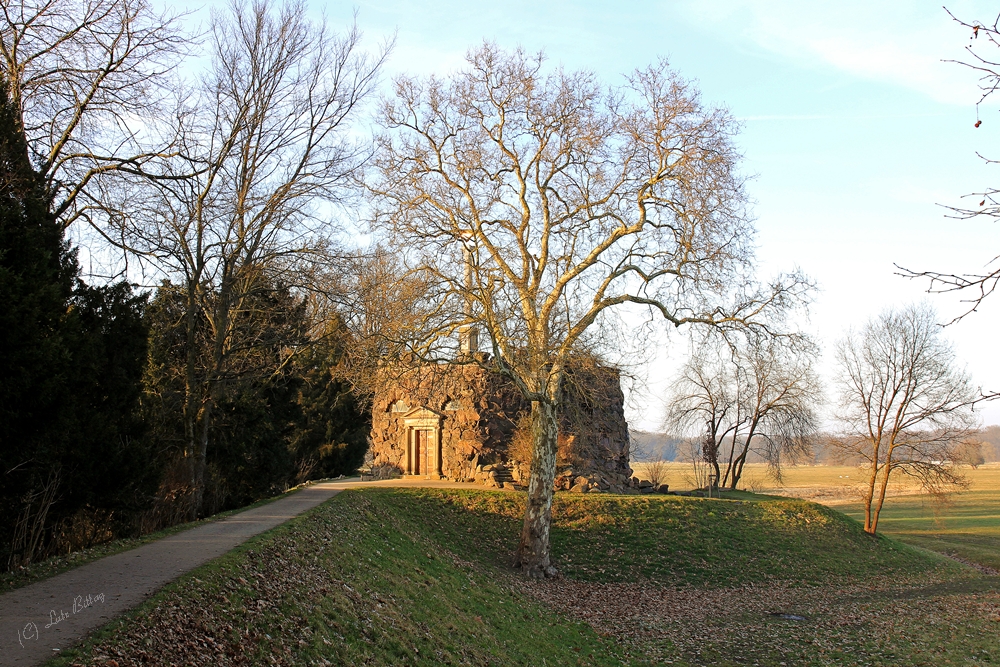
(438, 435)
(409, 450)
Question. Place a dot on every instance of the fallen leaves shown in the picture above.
(879, 619)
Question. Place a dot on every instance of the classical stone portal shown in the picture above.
(457, 421)
(423, 435)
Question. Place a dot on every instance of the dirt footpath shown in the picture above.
(38, 620)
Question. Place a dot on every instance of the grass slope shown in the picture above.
(965, 524)
(668, 539)
(352, 582)
(391, 577)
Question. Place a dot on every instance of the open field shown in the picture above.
(965, 524)
(388, 577)
(827, 482)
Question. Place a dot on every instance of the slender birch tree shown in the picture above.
(532, 201)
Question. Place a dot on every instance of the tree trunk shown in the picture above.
(742, 459)
(192, 399)
(738, 470)
(533, 550)
(730, 470)
(883, 484)
(869, 524)
(200, 463)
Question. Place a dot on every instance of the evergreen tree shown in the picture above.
(37, 271)
(254, 403)
(73, 464)
(331, 437)
(281, 416)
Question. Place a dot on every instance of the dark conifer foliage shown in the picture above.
(332, 435)
(36, 279)
(71, 358)
(281, 416)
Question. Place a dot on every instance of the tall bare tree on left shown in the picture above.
(89, 79)
(244, 203)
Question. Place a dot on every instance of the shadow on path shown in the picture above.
(38, 620)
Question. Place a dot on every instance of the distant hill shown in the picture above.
(648, 446)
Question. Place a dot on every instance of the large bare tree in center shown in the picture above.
(533, 202)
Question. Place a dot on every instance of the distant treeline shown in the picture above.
(984, 447)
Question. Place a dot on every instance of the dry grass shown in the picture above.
(827, 484)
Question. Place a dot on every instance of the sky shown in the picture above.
(856, 130)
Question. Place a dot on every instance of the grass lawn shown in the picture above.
(385, 576)
(965, 523)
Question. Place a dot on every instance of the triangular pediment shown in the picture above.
(422, 412)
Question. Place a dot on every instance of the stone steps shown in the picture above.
(502, 475)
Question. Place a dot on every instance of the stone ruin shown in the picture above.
(462, 422)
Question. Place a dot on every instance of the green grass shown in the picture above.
(965, 524)
(50, 567)
(350, 582)
(668, 539)
(384, 576)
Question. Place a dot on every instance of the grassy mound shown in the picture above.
(389, 577)
(667, 539)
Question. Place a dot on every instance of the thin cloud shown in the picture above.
(767, 117)
(899, 43)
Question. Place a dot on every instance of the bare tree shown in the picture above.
(755, 395)
(903, 403)
(90, 78)
(263, 142)
(705, 400)
(382, 305)
(535, 202)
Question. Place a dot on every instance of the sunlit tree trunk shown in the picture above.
(872, 481)
(533, 550)
(883, 484)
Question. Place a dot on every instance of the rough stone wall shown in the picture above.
(480, 410)
(593, 429)
(483, 414)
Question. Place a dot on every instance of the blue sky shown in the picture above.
(854, 128)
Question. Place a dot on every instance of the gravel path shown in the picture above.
(38, 620)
